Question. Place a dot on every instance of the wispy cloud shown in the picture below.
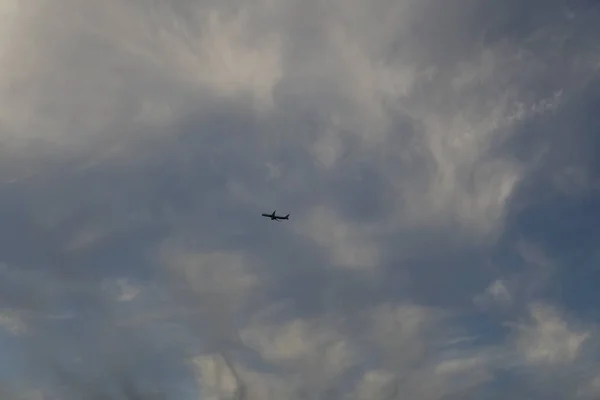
(437, 161)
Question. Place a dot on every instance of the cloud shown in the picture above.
(437, 162)
(311, 346)
(548, 339)
(214, 382)
(351, 245)
(496, 293)
(123, 290)
(13, 323)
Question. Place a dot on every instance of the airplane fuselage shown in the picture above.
(274, 217)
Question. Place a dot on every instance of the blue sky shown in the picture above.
(438, 160)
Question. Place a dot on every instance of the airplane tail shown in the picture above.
(287, 216)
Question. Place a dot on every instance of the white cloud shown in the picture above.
(512, 292)
(467, 183)
(407, 333)
(548, 339)
(24, 394)
(591, 389)
(350, 244)
(74, 73)
(327, 149)
(215, 273)
(497, 293)
(216, 380)
(534, 255)
(123, 123)
(401, 341)
(456, 172)
(13, 322)
(122, 290)
(314, 347)
(375, 385)
(233, 55)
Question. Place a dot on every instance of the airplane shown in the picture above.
(276, 217)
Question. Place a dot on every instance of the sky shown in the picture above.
(438, 159)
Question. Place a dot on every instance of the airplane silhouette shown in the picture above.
(274, 217)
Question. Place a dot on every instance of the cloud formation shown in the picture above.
(438, 162)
